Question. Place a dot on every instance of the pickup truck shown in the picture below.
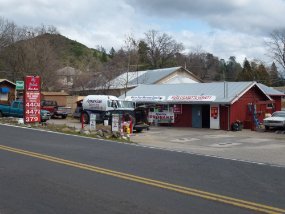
(54, 109)
(16, 110)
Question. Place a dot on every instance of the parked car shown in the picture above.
(54, 109)
(277, 120)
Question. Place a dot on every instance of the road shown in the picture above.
(44, 172)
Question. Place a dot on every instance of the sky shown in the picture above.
(222, 27)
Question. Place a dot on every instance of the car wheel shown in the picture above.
(1, 115)
(266, 127)
(63, 116)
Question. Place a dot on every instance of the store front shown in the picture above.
(205, 105)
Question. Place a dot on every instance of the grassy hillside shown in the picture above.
(70, 52)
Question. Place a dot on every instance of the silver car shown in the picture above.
(277, 120)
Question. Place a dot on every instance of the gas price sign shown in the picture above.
(32, 104)
(32, 107)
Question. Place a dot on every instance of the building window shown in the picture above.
(3, 97)
(270, 106)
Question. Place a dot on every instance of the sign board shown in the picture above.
(32, 83)
(145, 98)
(20, 85)
(92, 122)
(177, 109)
(115, 122)
(191, 98)
(32, 107)
(32, 99)
(161, 117)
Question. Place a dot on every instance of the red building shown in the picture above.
(207, 105)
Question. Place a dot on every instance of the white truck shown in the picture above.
(106, 105)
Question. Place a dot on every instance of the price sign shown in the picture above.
(32, 104)
(32, 107)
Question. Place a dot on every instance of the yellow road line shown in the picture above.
(152, 182)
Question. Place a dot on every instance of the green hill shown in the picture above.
(70, 52)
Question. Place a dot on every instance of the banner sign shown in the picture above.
(191, 98)
(32, 99)
(145, 98)
(161, 117)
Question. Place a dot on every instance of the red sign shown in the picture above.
(32, 83)
(177, 109)
(191, 98)
(32, 107)
(214, 112)
(32, 98)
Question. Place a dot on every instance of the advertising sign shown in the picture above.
(214, 112)
(32, 107)
(32, 83)
(115, 122)
(20, 85)
(145, 98)
(32, 99)
(191, 98)
(161, 117)
(92, 122)
(177, 109)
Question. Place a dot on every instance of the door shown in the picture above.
(205, 116)
(196, 116)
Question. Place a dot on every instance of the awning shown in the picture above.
(4, 90)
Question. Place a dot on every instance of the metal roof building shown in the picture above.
(214, 105)
(224, 92)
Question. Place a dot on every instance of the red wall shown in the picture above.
(278, 102)
(240, 110)
(184, 119)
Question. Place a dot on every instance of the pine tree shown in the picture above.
(274, 76)
(262, 75)
(247, 73)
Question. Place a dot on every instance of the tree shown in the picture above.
(262, 75)
(8, 32)
(276, 47)
(112, 52)
(233, 68)
(275, 79)
(161, 48)
(247, 73)
(204, 65)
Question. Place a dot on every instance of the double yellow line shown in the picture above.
(152, 182)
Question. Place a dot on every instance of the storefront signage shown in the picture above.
(191, 98)
(214, 112)
(161, 117)
(145, 98)
(177, 109)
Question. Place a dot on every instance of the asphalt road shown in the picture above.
(42, 172)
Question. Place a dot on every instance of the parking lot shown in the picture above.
(246, 145)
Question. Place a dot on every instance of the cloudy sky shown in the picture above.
(222, 27)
